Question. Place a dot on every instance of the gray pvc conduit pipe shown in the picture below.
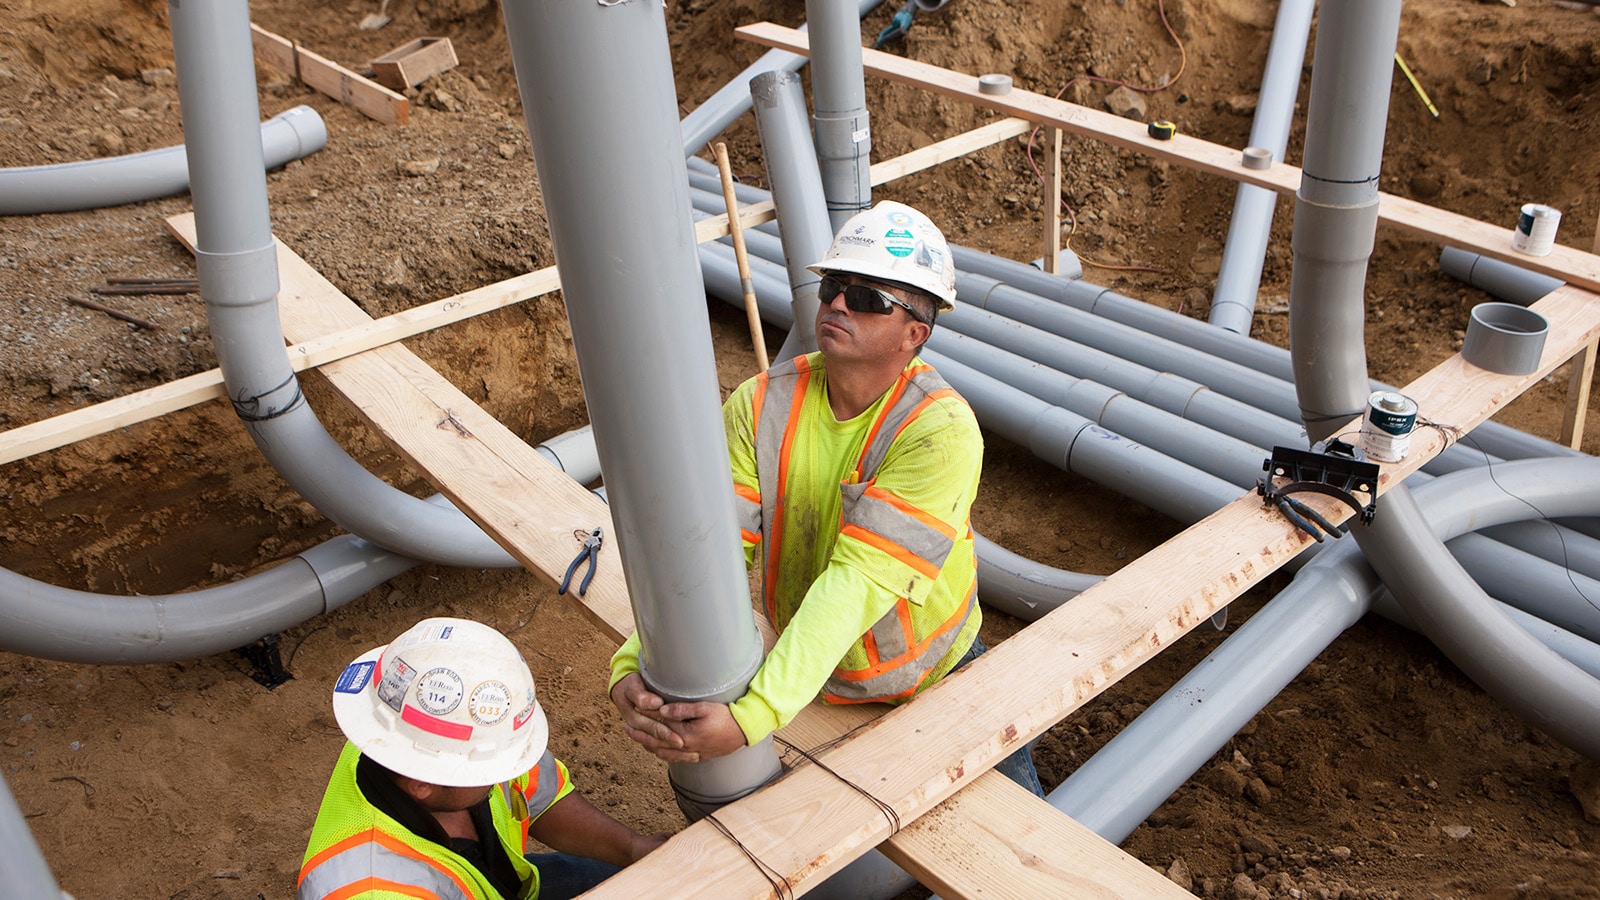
(1021, 587)
(1557, 543)
(1235, 461)
(23, 869)
(1233, 303)
(839, 109)
(608, 150)
(1335, 220)
(78, 626)
(1490, 437)
(1153, 756)
(238, 270)
(796, 181)
(1536, 586)
(114, 180)
(710, 118)
(1501, 280)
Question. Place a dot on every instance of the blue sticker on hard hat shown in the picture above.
(354, 678)
(900, 218)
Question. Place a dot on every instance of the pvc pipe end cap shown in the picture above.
(1257, 158)
(994, 84)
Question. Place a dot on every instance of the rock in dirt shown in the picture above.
(416, 168)
(1126, 103)
(1178, 873)
(1584, 782)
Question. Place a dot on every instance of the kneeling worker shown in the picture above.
(446, 775)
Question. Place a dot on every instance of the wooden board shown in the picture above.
(1491, 240)
(415, 62)
(330, 78)
(517, 496)
(993, 840)
(58, 431)
(809, 824)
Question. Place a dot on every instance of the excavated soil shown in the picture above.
(1380, 772)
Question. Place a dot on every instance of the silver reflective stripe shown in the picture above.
(371, 860)
(544, 792)
(772, 420)
(901, 679)
(882, 518)
(749, 513)
(922, 385)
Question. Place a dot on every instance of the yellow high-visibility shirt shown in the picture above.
(831, 584)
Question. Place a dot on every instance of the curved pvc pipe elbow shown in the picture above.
(96, 183)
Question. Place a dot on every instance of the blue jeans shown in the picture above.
(563, 876)
(1019, 765)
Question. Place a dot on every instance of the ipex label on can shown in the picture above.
(1386, 428)
(1535, 233)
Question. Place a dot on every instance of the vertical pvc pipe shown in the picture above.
(1234, 301)
(597, 91)
(839, 108)
(238, 267)
(732, 99)
(1336, 211)
(797, 192)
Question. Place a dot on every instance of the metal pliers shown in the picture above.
(590, 552)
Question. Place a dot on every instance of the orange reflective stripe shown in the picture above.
(388, 842)
(879, 542)
(380, 884)
(915, 512)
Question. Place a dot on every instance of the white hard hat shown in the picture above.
(449, 702)
(893, 242)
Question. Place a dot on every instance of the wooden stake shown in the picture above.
(734, 228)
(1578, 381)
(1052, 206)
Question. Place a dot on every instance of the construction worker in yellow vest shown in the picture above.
(854, 469)
(445, 778)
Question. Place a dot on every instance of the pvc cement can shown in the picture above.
(1535, 233)
(1386, 428)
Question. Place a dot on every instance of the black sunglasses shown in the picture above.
(862, 298)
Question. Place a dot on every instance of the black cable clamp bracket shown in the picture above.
(1332, 467)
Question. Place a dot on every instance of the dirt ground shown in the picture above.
(1380, 772)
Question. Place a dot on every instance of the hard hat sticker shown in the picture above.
(491, 703)
(898, 241)
(396, 678)
(440, 691)
(354, 678)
